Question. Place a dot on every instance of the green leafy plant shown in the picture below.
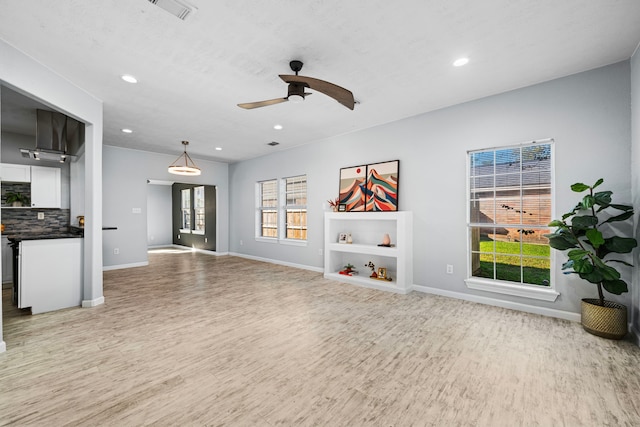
(584, 238)
(12, 197)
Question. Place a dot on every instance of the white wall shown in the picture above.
(159, 215)
(24, 75)
(587, 114)
(635, 176)
(125, 175)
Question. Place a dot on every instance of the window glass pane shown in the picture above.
(269, 223)
(269, 193)
(198, 203)
(511, 188)
(186, 209)
(508, 268)
(296, 212)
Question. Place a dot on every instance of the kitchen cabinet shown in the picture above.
(7, 261)
(15, 173)
(45, 187)
(50, 274)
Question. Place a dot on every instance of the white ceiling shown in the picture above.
(395, 56)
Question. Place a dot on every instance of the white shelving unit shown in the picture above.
(367, 230)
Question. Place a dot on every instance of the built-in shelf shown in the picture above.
(367, 230)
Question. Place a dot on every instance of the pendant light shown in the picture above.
(183, 164)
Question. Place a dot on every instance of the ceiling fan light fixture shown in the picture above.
(183, 165)
(296, 99)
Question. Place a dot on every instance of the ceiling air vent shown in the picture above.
(175, 7)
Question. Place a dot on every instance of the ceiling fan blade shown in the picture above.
(340, 94)
(251, 105)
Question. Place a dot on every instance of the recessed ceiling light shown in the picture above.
(218, 148)
(129, 78)
(127, 130)
(277, 127)
(460, 62)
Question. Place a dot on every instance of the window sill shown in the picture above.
(544, 294)
(267, 239)
(293, 242)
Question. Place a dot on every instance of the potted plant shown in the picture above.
(16, 199)
(586, 233)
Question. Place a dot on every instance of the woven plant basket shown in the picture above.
(608, 321)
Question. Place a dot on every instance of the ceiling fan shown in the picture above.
(298, 84)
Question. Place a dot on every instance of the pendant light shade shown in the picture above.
(183, 164)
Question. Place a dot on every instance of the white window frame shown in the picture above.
(260, 209)
(285, 207)
(503, 286)
(195, 211)
(281, 212)
(182, 211)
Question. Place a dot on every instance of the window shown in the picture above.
(296, 207)
(268, 208)
(185, 225)
(198, 208)
(281, 214)
(509, 199)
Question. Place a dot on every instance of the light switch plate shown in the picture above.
(136, 210)
(40, 215)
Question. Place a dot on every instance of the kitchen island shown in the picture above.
(47, 270)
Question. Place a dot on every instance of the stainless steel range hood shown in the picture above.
(58, 137)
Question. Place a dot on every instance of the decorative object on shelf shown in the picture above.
(80, 220)
(588, 247)
(386, 240)
(334, 204)
(342, 207)
(349, 238)
(349, 270)
(183, 165)
(16, 199)
(342, 238)
(370, 188)
(382, 274)
(372, 266)
(1, 228)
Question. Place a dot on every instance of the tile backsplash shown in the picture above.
(17, 220)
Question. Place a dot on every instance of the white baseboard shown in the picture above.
(274, 261)
(88, 303)
(3, 347)
(121, 266)
(550, 312)
(185, 248)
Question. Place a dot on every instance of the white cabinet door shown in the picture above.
(15, 173)
(45, 187)
(50, 274)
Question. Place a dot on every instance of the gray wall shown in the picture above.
(125, 175)
(159, 215)
(587, 114)
(635, 163)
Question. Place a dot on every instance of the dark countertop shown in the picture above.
(41, 235)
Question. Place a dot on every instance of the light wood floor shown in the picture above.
(194, 339)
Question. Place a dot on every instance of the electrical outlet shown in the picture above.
(241, 243)
(116, 251)
(320, 251)
(178, 237)
(449, 269)
(206, 240)
(40, 215)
